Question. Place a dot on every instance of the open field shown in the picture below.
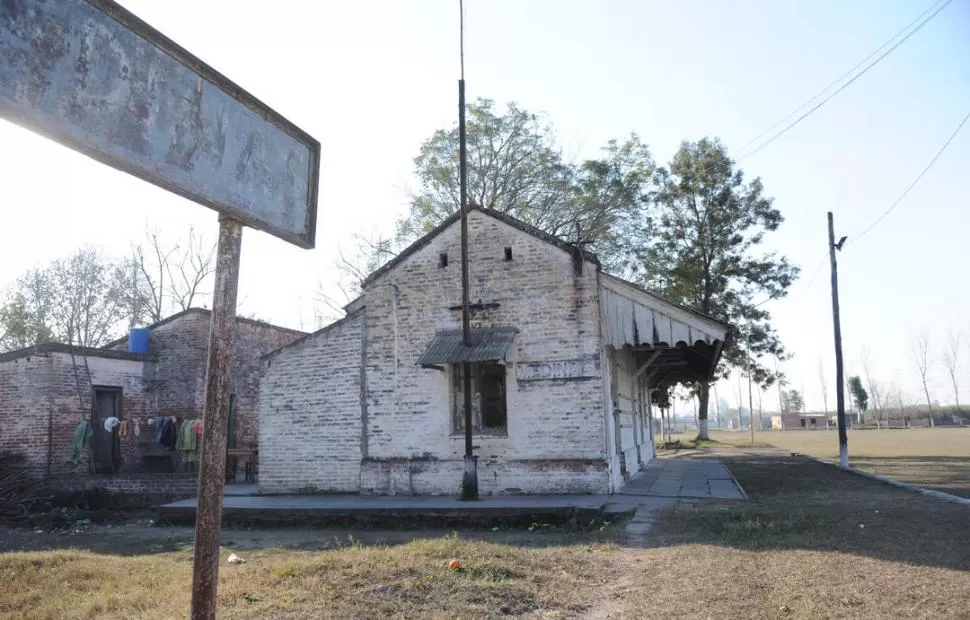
(935, 458)
(795, 550)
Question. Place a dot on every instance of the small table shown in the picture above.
(249, 457)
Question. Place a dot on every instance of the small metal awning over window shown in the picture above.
(487, 345)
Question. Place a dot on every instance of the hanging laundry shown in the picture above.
(124, 429)
(197, 427)
(81, 435)
(111, 423)
(137, 428)
(188, 442)
(165, 432)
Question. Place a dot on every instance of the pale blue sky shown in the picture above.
(371, 80)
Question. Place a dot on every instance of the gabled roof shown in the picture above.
(60, 347)
(665, 301)
(502, 217)
(207, 312)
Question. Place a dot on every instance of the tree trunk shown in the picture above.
(703, 396)
(929, 403)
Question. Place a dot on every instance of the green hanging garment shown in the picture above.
(81, 436)
(187, 442)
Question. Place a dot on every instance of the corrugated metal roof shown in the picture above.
(488, 345)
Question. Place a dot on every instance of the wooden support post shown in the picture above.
(215, 418)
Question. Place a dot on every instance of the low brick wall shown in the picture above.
(495, 477)
(184, 485)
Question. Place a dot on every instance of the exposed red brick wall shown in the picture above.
(181, 485)
(45, 395)
(180, 345)
(48, 394)
(24, 409)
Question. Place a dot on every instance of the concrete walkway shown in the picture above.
(666, 482)
(684, 477)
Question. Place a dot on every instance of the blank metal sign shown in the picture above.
(92, 76)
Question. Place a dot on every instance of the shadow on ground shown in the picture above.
(141, 538)
(799, 504)
(942, 473)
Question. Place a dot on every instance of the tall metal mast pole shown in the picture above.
(469, 481)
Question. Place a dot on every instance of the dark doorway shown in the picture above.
(105, 445)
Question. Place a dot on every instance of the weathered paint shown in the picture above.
(560, 369)
(215, 417)
(92, 76)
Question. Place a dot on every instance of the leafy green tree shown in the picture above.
(516, 167)
(83, 299)
(859, 395)
(792, 402)
(707, 224)
(19, 327)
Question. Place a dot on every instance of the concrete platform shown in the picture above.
(663, 482)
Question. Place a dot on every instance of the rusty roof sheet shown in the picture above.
(488, 345)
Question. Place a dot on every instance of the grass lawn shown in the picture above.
(936, 458)
(795, 549)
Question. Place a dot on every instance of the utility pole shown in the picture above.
(747, 346)
(839, 390)
(778, 381)
(469, 480)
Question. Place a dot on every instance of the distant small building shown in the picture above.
(48, 390)
(799, 422)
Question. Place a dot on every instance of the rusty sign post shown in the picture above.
(212, 468)
(90, 75)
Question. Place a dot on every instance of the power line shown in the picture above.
(847, 84)
(836, 80)
(916, 180)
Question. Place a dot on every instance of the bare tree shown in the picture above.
(825, 389)
(371, 251)
(951, 361)
(921, 347)
(171, 278)
(875, 390)
(80, 299)
(151, 261)
(895, 396)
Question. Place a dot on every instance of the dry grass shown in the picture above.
(410, 580)
(796, 549)
(936, 458)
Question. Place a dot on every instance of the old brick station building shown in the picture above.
(563, 359)
(47, 390)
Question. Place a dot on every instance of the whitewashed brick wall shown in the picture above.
(556, 440)
(310, 413)
(630, 413)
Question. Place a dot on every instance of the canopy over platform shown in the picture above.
(671, 343)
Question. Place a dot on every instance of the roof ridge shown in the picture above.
(505, 218)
